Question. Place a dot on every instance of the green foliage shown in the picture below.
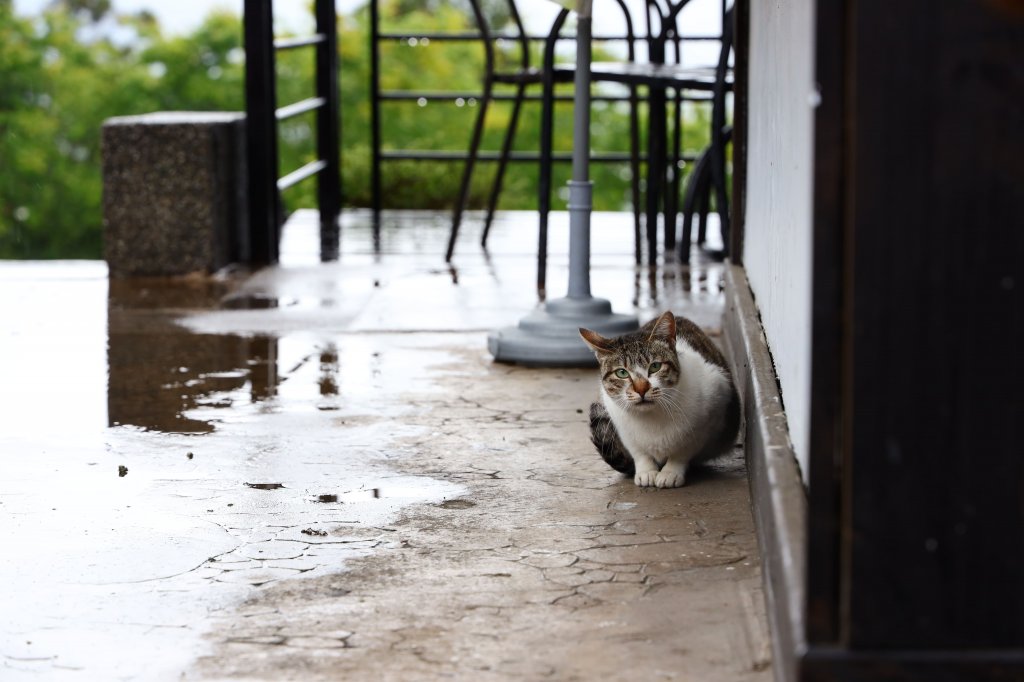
(437, 124)
(60, 82)
(62, 77)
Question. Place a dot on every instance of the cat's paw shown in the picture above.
(669, 478)
(645, 479)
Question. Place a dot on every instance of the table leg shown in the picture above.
(550, 336)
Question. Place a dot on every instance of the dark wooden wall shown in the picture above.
(916, 537)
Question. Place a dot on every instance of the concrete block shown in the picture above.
(174, 193)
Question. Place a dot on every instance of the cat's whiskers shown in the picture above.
(653, 397)
(636, 401)
(668, 404)
(622, 401)
(673, 398)
(675, 403)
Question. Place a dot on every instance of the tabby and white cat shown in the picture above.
(667, 400)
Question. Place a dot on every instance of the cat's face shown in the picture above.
(639, 371)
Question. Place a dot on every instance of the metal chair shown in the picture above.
(659, 77)
(697, 198)
(547, 139)
(709, 171)
(522, 76)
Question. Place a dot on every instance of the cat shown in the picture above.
(667, 401)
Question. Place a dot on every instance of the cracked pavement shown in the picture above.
(327, 477)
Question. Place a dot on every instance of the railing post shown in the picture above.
(328, 129)
(261, 131)
(375, 116)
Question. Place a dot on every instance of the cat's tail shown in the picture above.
(606, 440)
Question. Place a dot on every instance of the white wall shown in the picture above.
(777, 252)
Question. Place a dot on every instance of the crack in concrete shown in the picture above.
(510, 586)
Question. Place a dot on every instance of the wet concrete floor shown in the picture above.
(316, 472)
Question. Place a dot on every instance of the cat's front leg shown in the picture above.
(646, 471)
(672, 475)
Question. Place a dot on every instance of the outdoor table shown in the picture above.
(550, 335)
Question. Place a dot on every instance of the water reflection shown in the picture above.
(370, 494)
(155, 379)
(675, 283)
(159, 374)
(329, 371)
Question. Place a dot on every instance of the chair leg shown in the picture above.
(547, 118)
(720, 135)
(506, 149)
(467, 173)
(672, 192)
(703, 202)
(703, 207)
(634, 164)
(544, 181)
(655, 169)
(696, 186)
(721, 196)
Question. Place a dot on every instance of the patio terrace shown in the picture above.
(316, 471)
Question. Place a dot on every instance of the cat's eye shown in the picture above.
(622, 373)
(655, 366)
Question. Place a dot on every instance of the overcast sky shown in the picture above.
(181, 16)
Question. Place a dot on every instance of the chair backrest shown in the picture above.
(488, 38)
(728, 33)
(524, 41)
(483, 26)
(629, 36)
(662, 26)
(663, 29)
(721, 70)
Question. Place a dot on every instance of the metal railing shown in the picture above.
(378, 96)
(263, 116)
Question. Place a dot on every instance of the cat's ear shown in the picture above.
(665, 328)
(597, 343)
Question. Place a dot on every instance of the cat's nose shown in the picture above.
(641, 386)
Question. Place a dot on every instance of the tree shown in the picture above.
(60, 82)
(56, 89)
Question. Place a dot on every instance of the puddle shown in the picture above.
(457, 504)
(363, 495)
(369, 494)
(255, 301)
(167, 382)
(156, 380)
(220, 442)
(314, 532)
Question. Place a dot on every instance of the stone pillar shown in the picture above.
(174, 193)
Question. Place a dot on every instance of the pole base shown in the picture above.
(550, 337)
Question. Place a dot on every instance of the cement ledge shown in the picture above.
(776, 488)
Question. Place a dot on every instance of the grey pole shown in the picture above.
(550, 336)
(580, 187)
